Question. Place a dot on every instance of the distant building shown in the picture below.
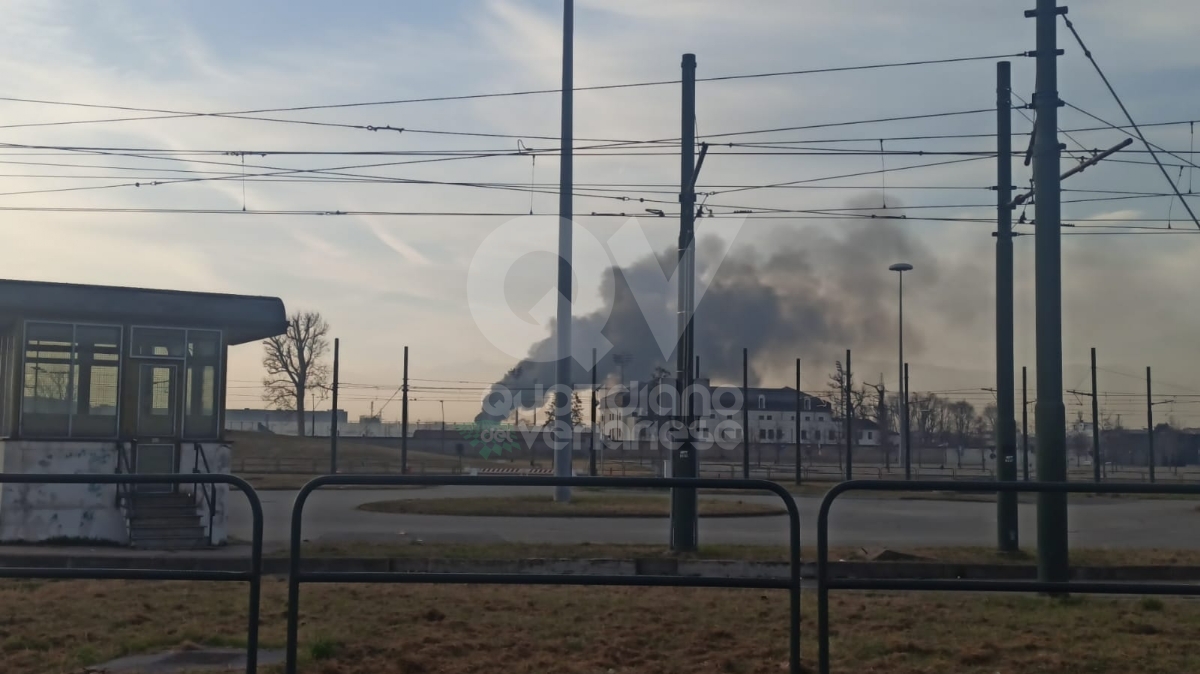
(282, 422)
(625, 414)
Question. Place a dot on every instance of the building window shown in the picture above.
(770, 433)
(804, 434)
(808, 403)
(200, 396)
(158, 343)
(817, 435)
(762, 434)
(870, 435)
(808, 418)
(768, 417)
(820, 417)
(762, 402)
(70, 380)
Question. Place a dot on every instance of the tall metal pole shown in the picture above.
(904, 450)
(443, 444)
(798, 408)
(333, 422)
(404, 418)
(1095, 422)
(684, 521)
(1050, 415)
(745, 413)
(1006, 424)
(562, 375)
(592, 448)
(849, 421)
(1025, 422)
(907, 428)
(1149, 428)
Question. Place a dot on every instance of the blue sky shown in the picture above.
(384, 282)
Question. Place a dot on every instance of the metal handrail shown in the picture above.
(210, 499)
(296, 575)
(124, 491)
(825, 583)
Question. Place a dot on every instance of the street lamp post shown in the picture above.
(443, 404)
(905, 450)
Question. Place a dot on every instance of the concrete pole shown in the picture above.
(1050, 416)
(1095, 423)
(333, 427)
(592, 448)
(684, 522)
(404, 418)
(745, 413)
(798, 409)
(1149, 428)
(849, 385)
(1025, 422)
(562, 399)
(1006, 425)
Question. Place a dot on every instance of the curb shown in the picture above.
(278, 566)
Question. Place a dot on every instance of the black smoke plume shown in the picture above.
(809, 292)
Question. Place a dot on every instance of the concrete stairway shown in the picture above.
(165, 521)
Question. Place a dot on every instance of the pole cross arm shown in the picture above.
(1080, 168)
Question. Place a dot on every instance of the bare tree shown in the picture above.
(859, 401)
(293, 363)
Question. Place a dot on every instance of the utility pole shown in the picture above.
(849, 421)
(1149, 428)
(906, 429)
(684, 523)
(1095, 422)
(1025, 422)
(566, 184)
(745, 413)
(403, 418)
(1006, 424)
(798, 408)
(333, 427)
(592, 447)
(1053, 556)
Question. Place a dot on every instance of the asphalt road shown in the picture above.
(331, 516)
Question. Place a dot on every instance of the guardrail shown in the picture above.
(296, 576)
(825, 583)
(253, 576)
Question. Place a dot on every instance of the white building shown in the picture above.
(626, 415)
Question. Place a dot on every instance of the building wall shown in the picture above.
(37, 512)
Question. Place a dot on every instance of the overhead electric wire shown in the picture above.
(462, 97)
(1129, 117)
(792, 183)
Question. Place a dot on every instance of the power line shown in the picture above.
(244, 114)
(1129, 117)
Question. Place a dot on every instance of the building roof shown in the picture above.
(243, 318)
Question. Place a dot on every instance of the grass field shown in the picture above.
(63, 626)
(762, 553)
(581, 505)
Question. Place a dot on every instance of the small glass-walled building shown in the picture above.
(99, 379)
